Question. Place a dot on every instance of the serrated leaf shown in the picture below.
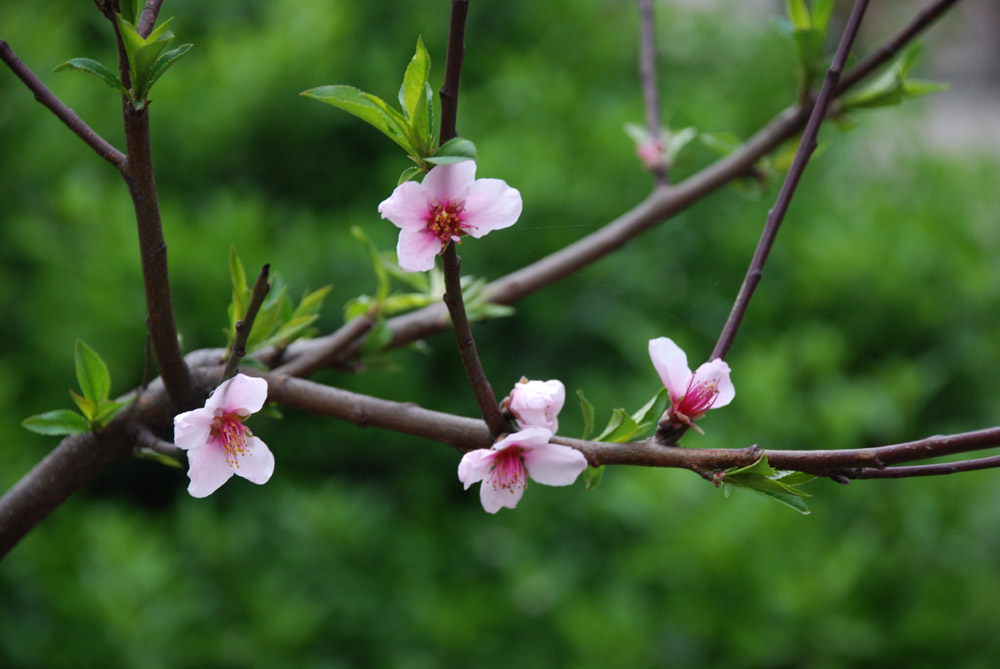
(791, 501)
(165, 60)
(91, 373)
(793, 478)
(87, 407)
(593, 476)
(587, 409)
(95, 68)
(455, 150)
(360, 104)
(415, 95)
(58, 422)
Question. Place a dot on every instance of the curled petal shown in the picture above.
(491, 205)
(527, 438)
(716, 372)
(408, 207)
(450, 181)
(538, 403)
(553, 464)
(475, 466)
(416, 250)
(207, 469)
(193, 429)
(241, 394)
(257, 463)
(671, 364)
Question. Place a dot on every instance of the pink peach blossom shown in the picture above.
(537, 403)
(504, 468)
(449, 204)
(217, 442)
(691, 395)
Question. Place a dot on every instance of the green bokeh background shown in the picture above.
(876, 322)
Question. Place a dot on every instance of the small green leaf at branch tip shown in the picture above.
(146, 58)
(57, 423)
(95, 68)
(149, 454)
(91, 373)
(587, 409)
(416, 97)
(455, 150)
(593, 476)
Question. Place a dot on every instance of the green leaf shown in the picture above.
(91, 373)
(95, 68)
(358, 306)
(593, 476)
(913, 88)
(649, 411)
(678, 139)
(415, 95)
(241, 293)
(587, 409)
(408, 174)
(455, 150)
(165, 60)
(105, 412)
(821, 11)
(87, 407)
(312, 303)
(620, 428)
(143, 54)
(362, 105)
(761, 478)
(378, 338)
(798, 14)
(401, 302)
(723, 143)
(58, 422)
(149, 454)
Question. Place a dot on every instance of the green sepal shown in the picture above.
(57, 423)
(91, 373)
(97, 69)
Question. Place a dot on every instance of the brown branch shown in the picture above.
(453, 70)
(62, 112)
(939, 469)
(238, 350)
(148, 18)
(141, 184)
(323, 356)
(647, 76)
(777, 214)
(481, 387)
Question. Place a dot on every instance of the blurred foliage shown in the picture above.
(876, 322)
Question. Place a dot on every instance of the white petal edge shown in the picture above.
(554, 464)
(491, 205)
(493, 499)
(475, 466)
(208, 470)
(670, 362)
(257, 464)
(193, 429)
(241, 394)
(450, 181)
(416, 250)
(717, 371)
(408, 207)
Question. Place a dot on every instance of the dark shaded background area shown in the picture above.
(877, 321)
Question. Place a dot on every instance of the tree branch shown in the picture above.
(777, 214)
(650, 91)
(62, 112)
(453, 70)
(322, 356)
(148, 18)
(939, 469)
(238, 350)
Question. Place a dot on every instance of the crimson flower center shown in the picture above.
(229, 431)
(508, 470)
(698, 399)
(446, 220)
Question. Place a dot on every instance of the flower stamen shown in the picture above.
(446, 220)
(230, 432)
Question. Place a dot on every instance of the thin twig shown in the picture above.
(452, 263)
(148, 18)
(62, 112)
(650, 90)
(938, 469)
(145, 439)
(453, 70)
(485, 397)
(238, 350)
(777, 214)
(316, 359)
